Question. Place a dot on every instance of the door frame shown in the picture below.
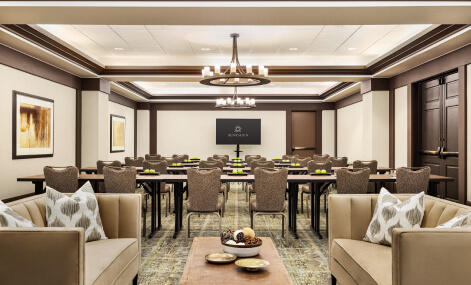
(414, 123)
(318, 130)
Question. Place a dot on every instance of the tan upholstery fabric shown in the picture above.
(252, 155)
(270, 187)
(418, 256)
(120, 180)
(288, 156)
(60, 256)
(153, 157)
(99, 167)
(302, 161)
(133, 161)
(158, 166)
(62, 179)
(254, 207)
(226, 156)
(260, 163)
(320, 157)
(211, 164)
(412, 180)
(373, 166)
(203, 190)
(353, 182)
(338, 161)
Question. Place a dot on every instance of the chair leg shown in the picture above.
(308, 198)
(286, 229)
(333, 279)
(325, 203)
(144, 223)
(282, 226)
(302, 210)
(187, 228)
(219, 222)
(134, 280)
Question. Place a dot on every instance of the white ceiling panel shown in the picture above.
(363, 38)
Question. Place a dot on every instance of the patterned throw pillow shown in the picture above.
(79, 210)
(460, 221)
(11, 219)
(390, 213)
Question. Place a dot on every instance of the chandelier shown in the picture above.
(235, 102)
(234, 75)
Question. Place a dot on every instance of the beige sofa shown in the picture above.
(417, 256)
(50, 256)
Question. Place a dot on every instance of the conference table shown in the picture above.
(153, 188)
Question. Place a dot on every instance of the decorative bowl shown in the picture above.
(252, 264)
(242, 250)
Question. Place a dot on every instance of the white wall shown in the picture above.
(128, 113)
(194, 133)
(400, 127)
(376, 127)
(64, 129)
(143, 132)
(350, 131)
(328, 132)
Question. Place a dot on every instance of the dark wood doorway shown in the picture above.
(438, 133)
(303, 133)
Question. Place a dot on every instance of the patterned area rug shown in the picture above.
(164, 258)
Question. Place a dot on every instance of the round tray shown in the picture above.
(221, 258)
(252, 264)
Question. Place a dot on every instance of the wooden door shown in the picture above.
(439, 131)
(303, 133)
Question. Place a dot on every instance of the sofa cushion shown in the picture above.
(366, 262)
(11, 219)
(107, 259)
(463, 220)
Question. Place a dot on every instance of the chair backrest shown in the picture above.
(302, 161)
(223, 159)
(289, 156)
(412, 180)
(372, 165)
(170, 161)
(203, 189)
(261, 163)
(251, 155)
(158, 166)
(250, 159)
(270, 187)
(320, 157)
(120, 180)
(226, 156)
(212, 164)
(313, 165)
(133, 161)
(100, 164)
(153, 157)
(179, 158)
(338, 161)
(353, 181)
(62, 179)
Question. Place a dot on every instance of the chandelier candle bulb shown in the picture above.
(265, 72)
(247, 101)
(252, 102)
(211, 73)
(236, 79)
(261, 69)
(217, 69)
(233, 67)
(202, 72)
(249, 68)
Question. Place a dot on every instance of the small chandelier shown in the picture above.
(234, 75)
(235, 102)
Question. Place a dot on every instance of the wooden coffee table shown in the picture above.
(199, 271)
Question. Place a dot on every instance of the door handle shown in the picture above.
(431, 152)
(302, 148)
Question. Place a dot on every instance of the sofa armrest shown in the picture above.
(42, 255)
(431, 256)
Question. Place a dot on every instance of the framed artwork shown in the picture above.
(117, 131)
(33, 126)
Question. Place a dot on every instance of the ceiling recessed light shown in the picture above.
(352, 48)
(293, 48)
(118, 48)
(205, 49)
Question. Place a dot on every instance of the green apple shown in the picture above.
(318, 171)
(234, 171)
(152, 171)
(297, 164)
(240, 171)
(293, 164)
(174, 164)
(323, 171)
(146, 171)
(178, 164)
(277, 158)
(195, 157)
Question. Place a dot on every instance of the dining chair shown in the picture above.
(320, 157)
(250, 159)
(99, 170)
(203, 195)
(338, 161)
(270, 188)
(179, 158)
(160, 167)
(133, 161)
(302, 161)
(251, 155)
(373, 166)
(289, 156)
(217, 163)
(63, 179)
(254, 165)
(223, 159)
(412, 179)
(153, 157)
(123, 180)
(353, 180)
(312, 166)
(221, 155)
(171, 161)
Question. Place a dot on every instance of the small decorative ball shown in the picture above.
(239, 236)
(240, 243)
(231, 242)
(248, 232)
(226, 235)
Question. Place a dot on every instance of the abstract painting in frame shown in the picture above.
(33, 126)
(117, 131)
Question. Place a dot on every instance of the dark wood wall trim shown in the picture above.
(96, 84)
(255, 96)
(25, 63)
(412, 124)
(328, 105)
(134, 88)
(374, 84)
(335, 135)
(392, 130)
(335, 89)
(143, 105)
(289, 132)
(120, 99)
(462, 134)
(153, 128)
(78, 128)
(347, 101)
(135, 132)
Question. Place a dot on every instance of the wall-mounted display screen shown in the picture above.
(238, 131)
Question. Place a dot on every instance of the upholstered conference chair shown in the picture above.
(123, 180)
(353, 181)
(221, 155)
(338, 161)
(62, 179)
(270, 189)
(153, 157)
(99, 167)
(133, 161)
(254, 165)
(180, 158)
(203, 195)
(320, 157)
(372, 165)
(223, 159)
(252, 155)
(289, 156)
(312, 166)
(412, 179)
(217, 163)
(250, 159)
(160, 167)
(302, 161)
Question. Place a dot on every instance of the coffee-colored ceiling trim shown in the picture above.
(134, 88)
(335, 89)
(255, 96)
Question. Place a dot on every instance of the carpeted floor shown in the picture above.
(163, 258)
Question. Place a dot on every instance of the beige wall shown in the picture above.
(400, 127)
(64, 129)
(350, 131)
(128, 113)
(194, 133)
(328, 132)
(143, 132)
(468, 108)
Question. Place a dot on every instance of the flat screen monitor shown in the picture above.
(238, 131)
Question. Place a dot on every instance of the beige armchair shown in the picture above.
(417, 256)
(45, 255)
